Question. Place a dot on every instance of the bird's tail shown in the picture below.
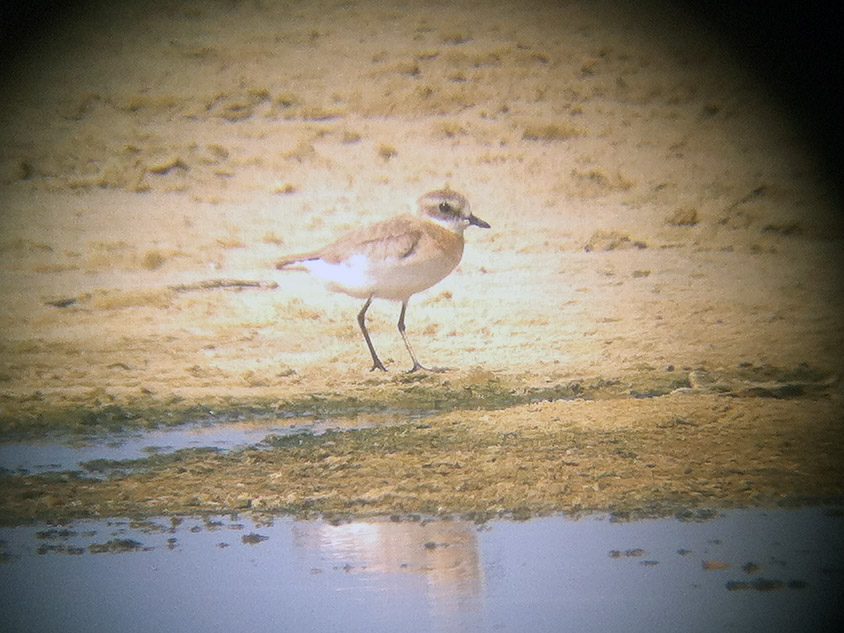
(284, 262)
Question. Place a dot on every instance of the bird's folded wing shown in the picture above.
(393, 239)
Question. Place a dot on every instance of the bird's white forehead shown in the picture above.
(445, 195)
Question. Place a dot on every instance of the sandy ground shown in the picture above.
(657, 222)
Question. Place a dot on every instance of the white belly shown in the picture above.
(358, 277)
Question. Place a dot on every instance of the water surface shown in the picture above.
(38, 456)
(748, 570)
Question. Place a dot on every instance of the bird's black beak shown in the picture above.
(478, 222)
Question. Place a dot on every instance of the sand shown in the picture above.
(658, 222)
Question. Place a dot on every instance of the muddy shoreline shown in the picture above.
(635, 450)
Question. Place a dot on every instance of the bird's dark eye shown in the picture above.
(445, 208)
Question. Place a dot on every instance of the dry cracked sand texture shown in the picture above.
(657, 222)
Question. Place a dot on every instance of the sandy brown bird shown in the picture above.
(395, 258)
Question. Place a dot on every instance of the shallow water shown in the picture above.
(56, 455)
(765, 571)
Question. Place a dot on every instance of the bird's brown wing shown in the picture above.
(396, 239)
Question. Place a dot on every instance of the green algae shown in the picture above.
(419, 395)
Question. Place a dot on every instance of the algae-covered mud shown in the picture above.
(647, 456)
(652, 324)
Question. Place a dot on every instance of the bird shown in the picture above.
(394, 259)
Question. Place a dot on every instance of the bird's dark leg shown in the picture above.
(416, 364)
(376, 362)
